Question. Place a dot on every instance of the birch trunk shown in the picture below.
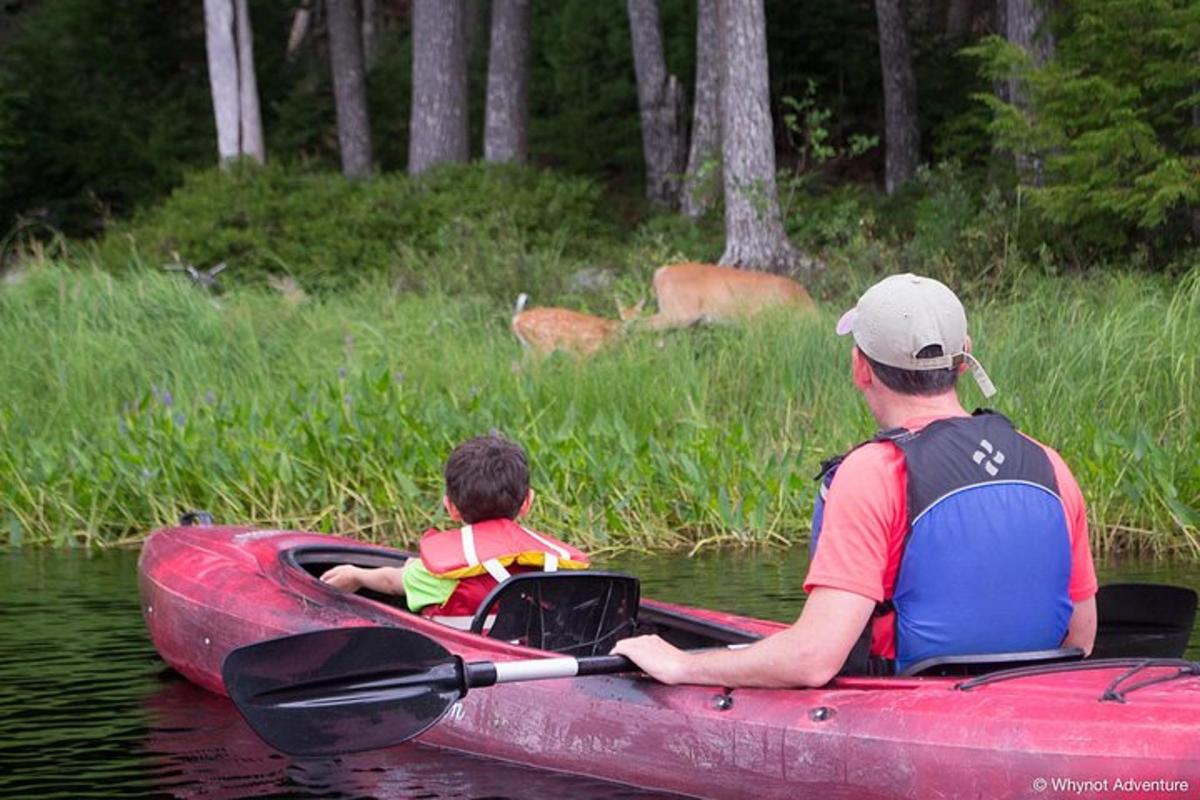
(251, 120)
(754, 235)
(704, 157)
(660, 101)
(902, 145)
(438, 128)
(506, 122)
(349, 87)
(231, 77)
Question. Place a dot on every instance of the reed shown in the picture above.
(128, 399)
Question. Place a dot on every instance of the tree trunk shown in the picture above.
(754, 235)
(960, 17)
(1025, 26)
(506, 124)
(704, 158)
(660, 101)
(438, 128)
(349, 87)
(1196, 209)
(370, 32)
(231, 77)
(901, 135)
(252, 133)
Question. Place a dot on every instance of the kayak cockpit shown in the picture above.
(578, 612)
(317, 560)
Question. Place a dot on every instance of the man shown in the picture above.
(951, 533)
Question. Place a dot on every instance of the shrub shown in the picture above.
(482, 228)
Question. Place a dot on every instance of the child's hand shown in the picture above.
(346, 577)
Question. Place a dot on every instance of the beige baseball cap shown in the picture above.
(903, 314)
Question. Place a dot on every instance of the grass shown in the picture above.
(129, 398)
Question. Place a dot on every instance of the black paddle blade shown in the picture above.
(1143, 619)
(343, 690)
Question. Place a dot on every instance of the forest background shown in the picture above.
(359, 326)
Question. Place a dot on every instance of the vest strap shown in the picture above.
(493, 566)
(550, 547)
(550, 563)
(496, 570)
(461, 622)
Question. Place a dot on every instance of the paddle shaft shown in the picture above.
(479, 674)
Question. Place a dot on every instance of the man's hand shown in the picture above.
(346, 577)
(659, 660)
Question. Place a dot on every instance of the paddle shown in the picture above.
(1143, 619)
(349, 689)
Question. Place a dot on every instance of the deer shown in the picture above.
(691, 293)
(544, 330)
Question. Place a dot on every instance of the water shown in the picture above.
(87, 709)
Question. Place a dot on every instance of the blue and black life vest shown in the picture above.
(986, 560)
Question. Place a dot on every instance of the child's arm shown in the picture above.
(349, 578)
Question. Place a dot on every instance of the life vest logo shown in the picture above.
(991, 460)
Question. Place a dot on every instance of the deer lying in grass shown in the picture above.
(690, 293)
(544, 330)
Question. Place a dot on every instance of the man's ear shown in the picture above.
(861, 370)
(451, 509)
(525, 505)
(966, 349)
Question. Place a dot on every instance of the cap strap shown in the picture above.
(981, 377)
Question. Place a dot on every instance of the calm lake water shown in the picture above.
(87, 709)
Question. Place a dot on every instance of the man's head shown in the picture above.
(487, 478)
(911, 333)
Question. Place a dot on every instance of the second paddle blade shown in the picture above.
(343, 690)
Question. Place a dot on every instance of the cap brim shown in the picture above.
(846, 323)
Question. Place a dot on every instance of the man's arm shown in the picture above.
(809, 653)
(1081, 632)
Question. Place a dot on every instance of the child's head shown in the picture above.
(487, 478)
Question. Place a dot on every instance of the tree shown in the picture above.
(1109, 120)
(231, 74)
(1025, 27)
(704, 156)
(754, 235)
(902, 138)
(349, 87)
(506, 123)
(438, 127)
(660, 101)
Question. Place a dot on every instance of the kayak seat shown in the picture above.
(578, 613)
(989, 662)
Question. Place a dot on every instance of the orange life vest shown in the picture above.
(482, 555)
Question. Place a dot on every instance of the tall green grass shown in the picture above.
(127, 399)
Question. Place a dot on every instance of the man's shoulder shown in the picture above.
(872, 456)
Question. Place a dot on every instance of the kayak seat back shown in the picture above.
(580, 613)
(989, 662)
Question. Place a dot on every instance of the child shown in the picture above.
(487, 488)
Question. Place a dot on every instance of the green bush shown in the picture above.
(476, 228)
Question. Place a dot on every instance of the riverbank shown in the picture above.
(129, 398)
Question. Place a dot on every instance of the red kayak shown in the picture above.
(1119, 728)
